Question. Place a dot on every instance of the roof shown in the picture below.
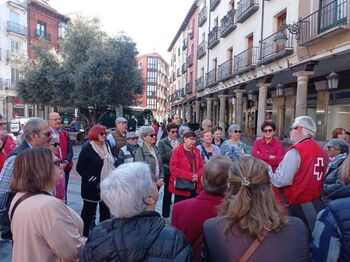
(184, 23)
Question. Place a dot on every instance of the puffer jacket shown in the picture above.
(144, 237)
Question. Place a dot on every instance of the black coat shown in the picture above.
(145, 237)
(89, 166)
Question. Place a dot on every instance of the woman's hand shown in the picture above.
(160, 182)
(195, 178)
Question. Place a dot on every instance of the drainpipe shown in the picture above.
(208, 44)
(262, 28)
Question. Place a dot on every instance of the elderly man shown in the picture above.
(127, 153)
(189, 215)
(65, 150)
(37, 133)
(117, 139)
(136, 232)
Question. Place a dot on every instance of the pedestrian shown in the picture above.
(117, 138)
(94, 164)
(217, 136)
(233, 147)
(155, 127)
(128, 152)
(7, 145)
(207, 149)
(44, 227)
(65, 150)
(339, 132)
(252, 225)
(135, 232)
(207, 125)
(149, 154)
(189, 215)
(166, 148)
(37, 133)
(59, 190)
(186, 167)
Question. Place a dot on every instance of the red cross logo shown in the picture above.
(318, 168)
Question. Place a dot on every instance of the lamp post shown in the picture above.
(333, 80)
(281, 36)
(279, 90)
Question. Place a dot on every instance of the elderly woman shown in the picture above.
(233, 147)
(207, 148)
(338, 151)
(186, 167)
(136, 232)
(149, 154)
(94, 164)
(250, 216)
(128, 152)
(43, 227)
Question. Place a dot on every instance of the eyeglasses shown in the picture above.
(173, 131)
(3, 124)
(330, 147)
(55, 144)
(151, 135)
(57, 163)
(47, 134)
(103, 133)
(267, 130)
(237, 131)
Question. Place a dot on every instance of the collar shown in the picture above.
(206, 196)
(272, 142)
(302, 140)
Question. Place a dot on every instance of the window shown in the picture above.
(14, 75)
(152, 77)
(61, 30)
(151, 91)
(152, 62)
(15, 47)
(41, 29)
(151, 103)
(14, 17)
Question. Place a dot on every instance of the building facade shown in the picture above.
(269, 59)
(155, 71)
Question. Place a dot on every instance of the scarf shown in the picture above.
(106, 155)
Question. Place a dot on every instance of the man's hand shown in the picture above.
(272, 156)
(195, 178)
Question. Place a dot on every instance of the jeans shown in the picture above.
(89, 213)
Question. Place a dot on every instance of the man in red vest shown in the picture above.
(301, 173)
(65, 152)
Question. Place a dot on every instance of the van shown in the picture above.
(15, 125)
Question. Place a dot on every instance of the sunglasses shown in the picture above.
(173, 131)
(267, 130)
(57, 163)
(55, 144)
(47, 134)
(151, 135)
(103, 133)
(237, 131)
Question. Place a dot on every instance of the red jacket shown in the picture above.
(64, 137)
(308, 181)
(262, 150)
(189, 216)
(6, 150)
(180, 167)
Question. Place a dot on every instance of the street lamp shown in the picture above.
(250, 95)
(281, 35)
(279, 89)
(333, 80)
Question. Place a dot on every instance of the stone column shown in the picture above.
(26, 114)
(239, 106)
(222, 114)
(189, 113)
(301, 103)
(261, 106)
(183, 113)
(210, 108)
(198, 108)
(35, 110)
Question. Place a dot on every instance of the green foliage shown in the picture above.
(92, 71)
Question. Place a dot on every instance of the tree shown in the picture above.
(92, 72)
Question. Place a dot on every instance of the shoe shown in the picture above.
(7, 237)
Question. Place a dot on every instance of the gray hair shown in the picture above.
(183, 130)
(146, 130)
(233, 128)
(339, 144)
(206, 121)
(125, 189)
(33, 125)
(308, 124)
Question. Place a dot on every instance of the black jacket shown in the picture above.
(144, 237)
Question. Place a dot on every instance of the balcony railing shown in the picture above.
(323, 22)
(201, 49)
(213, 37)
(202, 16)
(16, 28)
(184, 68)
(245, 8)
(189, 88)
(246, 60)
(189, 60)
(271, 51)
(5, 84)
(200, 84)
(183, 92)
(211, 77)
(184, 44)
(225, 70)
(214, 4)
(46, 36)
(228, 23)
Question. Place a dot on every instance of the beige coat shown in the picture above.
(45, 229)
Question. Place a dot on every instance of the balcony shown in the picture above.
(202, 16)
(184, 68)
(271, 51)
(16, 28)
(189, 88)
(201, 50)
(183, 92)
(246, 61)
(200, 84)
(228, 23)
(178, 73)
(214, 4)
(211, 77)
(245, 8)
(213, 37)
(177, 95)
(45, 36)
(5, 84)
(189, 60)
(326, 22)
(225, 70)
(184, 44)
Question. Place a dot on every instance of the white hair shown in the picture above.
(308, 124)
(146, 130)
(125, 189)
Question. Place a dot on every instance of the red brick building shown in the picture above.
(155, 71)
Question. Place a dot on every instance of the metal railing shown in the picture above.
(189, 88)
(189, 60)
(46, 36)
(245, 59)
(184, 44)
(225, 70)
(211, 77)
(184, 68)
(16, 28)
(200, 83)
(214, 4)
(228, 23)
(245, 8)
(329, 16)
(201, 49)
(213, 37)
(202, 16)
(183, 92)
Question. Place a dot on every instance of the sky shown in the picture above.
(152, 24)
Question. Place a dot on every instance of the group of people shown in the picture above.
(228, 205)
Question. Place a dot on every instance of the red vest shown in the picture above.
(308, 181)
(64, 136)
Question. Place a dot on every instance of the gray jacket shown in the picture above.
(143, 155)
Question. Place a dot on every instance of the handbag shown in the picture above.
(184, 184)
